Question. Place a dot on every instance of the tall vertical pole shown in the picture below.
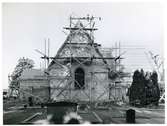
(119, 55)
(91, 86)
(70, 62)
(115, 65)
(48, 52)
(116, 56)
(49, 88)
(92, 50)
(45, 53)
(90, 21)
(163, 72)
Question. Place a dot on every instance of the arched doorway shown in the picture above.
(79, 79)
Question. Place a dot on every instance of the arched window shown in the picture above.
(79, 79)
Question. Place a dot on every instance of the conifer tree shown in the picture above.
(144, 88)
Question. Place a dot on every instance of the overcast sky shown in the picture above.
(25, 26)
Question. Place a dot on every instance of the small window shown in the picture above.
(79, 79)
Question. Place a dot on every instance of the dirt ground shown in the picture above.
(16, 114)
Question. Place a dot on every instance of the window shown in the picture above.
(79, 79)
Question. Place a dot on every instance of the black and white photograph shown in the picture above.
(83, 63)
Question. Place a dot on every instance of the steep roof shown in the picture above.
(78, 44)
(32, 74)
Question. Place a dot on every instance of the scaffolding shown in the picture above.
(13, 86)
(111, 64)
(68, 60)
